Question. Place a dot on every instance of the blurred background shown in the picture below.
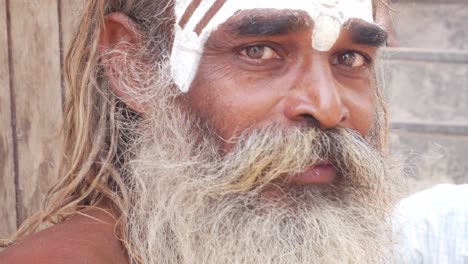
(426, 83)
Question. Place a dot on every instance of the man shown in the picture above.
(221, 131)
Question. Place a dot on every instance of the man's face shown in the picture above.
(261, 66)
(270, 64)
(290, 94)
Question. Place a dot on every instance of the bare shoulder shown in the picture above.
(85, 238)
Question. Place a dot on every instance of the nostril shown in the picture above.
(309, 120)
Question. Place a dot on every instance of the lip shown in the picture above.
(321, 173)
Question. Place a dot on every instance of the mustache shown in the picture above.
(194, 203)
(263, 156)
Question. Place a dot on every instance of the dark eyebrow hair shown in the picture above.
(270, 22)
(367, 34)
(261, 24)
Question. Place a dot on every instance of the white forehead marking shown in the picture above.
(329, 17)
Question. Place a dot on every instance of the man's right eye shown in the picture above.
(351, 59)
(259, 52)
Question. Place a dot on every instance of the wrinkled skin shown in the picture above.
(242, 82)
(258, 80)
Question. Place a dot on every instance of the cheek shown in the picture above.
(232, 102)
(361, 106)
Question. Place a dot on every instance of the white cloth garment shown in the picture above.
(433, 226)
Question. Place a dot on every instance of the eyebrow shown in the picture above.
(260, 24)
(367, 34)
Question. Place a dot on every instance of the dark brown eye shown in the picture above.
(350, 59)
(255, 52)
(259, 52)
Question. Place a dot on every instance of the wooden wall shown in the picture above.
(34, 35)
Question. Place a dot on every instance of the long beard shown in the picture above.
(193, 204)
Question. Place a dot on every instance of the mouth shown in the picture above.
(321, 173)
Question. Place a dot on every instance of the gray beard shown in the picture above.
(193, 205)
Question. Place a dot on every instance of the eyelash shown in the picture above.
(264, 45)
(260, 64)
(367, 58)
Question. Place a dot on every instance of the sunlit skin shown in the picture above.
(242, 82)
(252, 81)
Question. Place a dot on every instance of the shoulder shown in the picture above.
(435, 209)
(430, 222)
(438, 200)
(84, 238)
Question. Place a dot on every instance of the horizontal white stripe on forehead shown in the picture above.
(341, 10)
(329, 17)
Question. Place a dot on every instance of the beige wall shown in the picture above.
(427, 87)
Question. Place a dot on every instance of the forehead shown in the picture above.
(197, 19)
(205, 15)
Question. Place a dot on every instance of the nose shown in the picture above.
(316, 98)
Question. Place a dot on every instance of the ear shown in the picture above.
(120, 35)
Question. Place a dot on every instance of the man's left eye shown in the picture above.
(350, 59)
(259, 52)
